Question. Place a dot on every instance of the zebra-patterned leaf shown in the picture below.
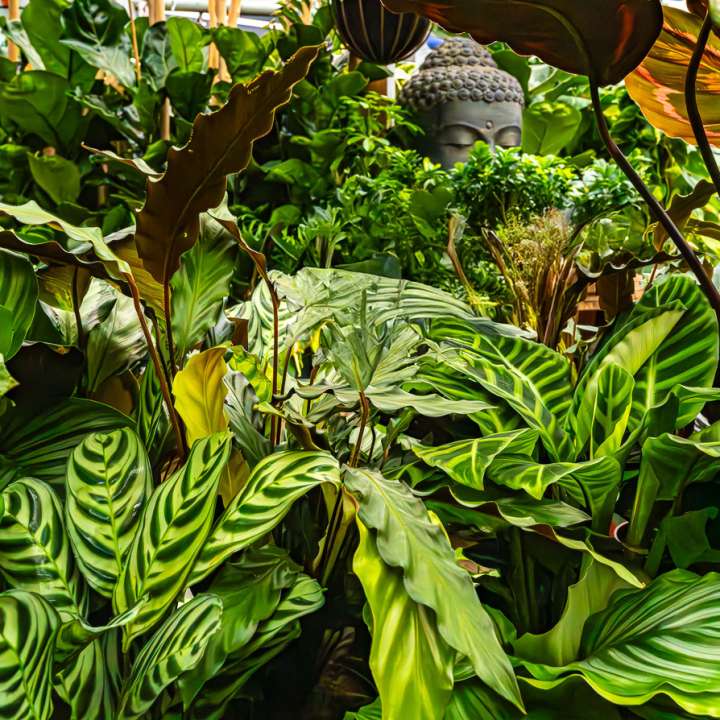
(35, 553)
(655, 641)
(173, 528)
(466, 461)
(408, 539)
(603, 416)
(273, 486)
(38, 445)
(176, 647)
(18, 300)
(108, 480)
(669, 339)
(28, 624)
(410, 661)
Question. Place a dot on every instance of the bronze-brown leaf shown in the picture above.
(220, 144)
(604, 39)
(658, 84)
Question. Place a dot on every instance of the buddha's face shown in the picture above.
(451, 129)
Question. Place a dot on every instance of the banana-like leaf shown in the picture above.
(176, 647)
(18, 300)
(658, 84)
(604, 39)
(173, 528)
(28, 624)
(35, 552)
(669, 339)
(108, 482)
(466, 461)
(410, 661)
(650, 642)
(201, 284)
(221, 143)
(273, 486)
(603, 415)
(407, 539)
(271, 638)
(39, 444)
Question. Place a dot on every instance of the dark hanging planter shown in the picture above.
(376, 35)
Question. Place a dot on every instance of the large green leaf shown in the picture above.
(58, 177)
(38, 444)
(407, 539)
(201, 284)
(604, 39)
(273, 486)
(195, 181)
(649, 642)
(27, 630)
(173, 528)
(18, 299)
(35, 553)
(176, 647)
(187, 40)
(108, 482)
(410, 661)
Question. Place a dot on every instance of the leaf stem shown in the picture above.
(691, 103)
(155, 358)
(656, 209)
(168, 328)
(364, 414)
(76, 309)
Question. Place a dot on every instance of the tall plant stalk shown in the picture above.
(656, 209)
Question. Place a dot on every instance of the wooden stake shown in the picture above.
(133, 34)
(234, 14)
(13, 14)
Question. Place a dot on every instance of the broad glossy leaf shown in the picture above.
(35, 553)
(108, 482)
(187, 40)
(201, 284)
(649, 642)
(58, 177)
(18, 300)
(410, 661)
(27, 630)
(39, 444)
(658, 84)
(173, 528)
(176, 647)
(604, 39)
(407, 539)
(273, 486)
(466, 461)
(220, 144)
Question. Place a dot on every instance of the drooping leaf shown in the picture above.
(667, 625)
(273, 486)
(221, 143)
(35, 553)
(173, 528)
(175, 648)
(407, 539)
(658, 84)
(27, 628)
(108, 482)
(411, 663)
(601, 39)
(18, 300)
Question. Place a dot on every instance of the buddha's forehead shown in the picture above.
(479, 113)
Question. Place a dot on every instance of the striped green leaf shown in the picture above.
(407, 539)
(35, 553)
(273, 486)
(173, 528)
(176, 647)
(603, 416)
(466, 461)
(151, 420)
(655, 641)
(668, 339)
(27, 629)
(108, 481)
(38, 444)
(410, 661)
(18, 300)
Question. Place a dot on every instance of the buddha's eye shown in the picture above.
(509, 136)
(458, 136)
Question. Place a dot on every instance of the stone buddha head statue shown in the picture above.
(459, 96)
